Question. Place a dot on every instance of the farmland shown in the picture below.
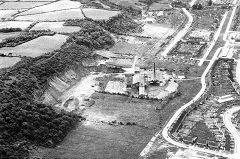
(4, 36)
(15, 24)
(8, 61)
(37, 47)
(60, 5)
(7, 14)
(20, 5)
(53, 16)
(98, 14)
(56, 27)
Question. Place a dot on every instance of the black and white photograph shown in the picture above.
(119, 79)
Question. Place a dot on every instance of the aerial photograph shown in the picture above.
(119, 79)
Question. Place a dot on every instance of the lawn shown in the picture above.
(99, 14)
(37, 47)
(60, 5)
(56, 27)
(53, 16)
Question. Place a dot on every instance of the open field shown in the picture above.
(129, 3)
(20, 5)
(60, 5)
(157, 31)
(105, 141)
(6, 14)
(53, 16)
(174, 18)
(8, 35)
(8, 61)
(37, 47)
(132, 49)
(56, 27)
(15, 24)
(34, 0)
(159, 6)
(98, 14)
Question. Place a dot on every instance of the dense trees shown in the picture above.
(120, 24)
(7, 30)
(197, 6)
(22, 116)
(24, 37)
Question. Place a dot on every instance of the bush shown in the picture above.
(22, 117)
(7, 30)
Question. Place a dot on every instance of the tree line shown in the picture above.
(22, 115)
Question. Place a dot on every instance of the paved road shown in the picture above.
(219, 31)
(213, 42)
(180, 35)
(179, 111)
(192, 3)
(231, 128)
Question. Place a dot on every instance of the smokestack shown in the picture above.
(154, 71)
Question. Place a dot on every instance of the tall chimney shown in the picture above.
(154, 71)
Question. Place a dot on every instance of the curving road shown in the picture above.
(231, 128)
(165, 131)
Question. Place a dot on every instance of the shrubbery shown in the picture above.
(7, 30)
(120, 24)
(24, 37)
(22, 117)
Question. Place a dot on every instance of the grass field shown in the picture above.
(55, 26)
(8, 35)
(132, 49)
(15, 24)
(129, 3)
(60, 5)
(8, 61)
(159, 6)
(37, 47)
(95, 138)
(6, 14)
(20, 5)
(53, 16)
(98, 14)
(35, 0)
